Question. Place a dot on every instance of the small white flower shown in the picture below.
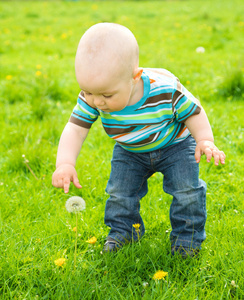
(234, 284)
(200, 50)
(75, 204)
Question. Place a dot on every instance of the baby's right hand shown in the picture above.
(63, 175)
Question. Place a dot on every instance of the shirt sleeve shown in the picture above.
(83, 114)
(184, 104)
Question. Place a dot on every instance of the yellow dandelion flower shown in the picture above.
(136, 226)
(38, 67)
(159, 275)
(38, 73)
(9, 77)
(63, 36)
(188, 82)
(94, 7)
(74, 229)
(92, 240)
(177, 25)
(60, 262)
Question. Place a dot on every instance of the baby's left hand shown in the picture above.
(210, 150)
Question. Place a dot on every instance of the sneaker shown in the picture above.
(184, 252)
(111, 245)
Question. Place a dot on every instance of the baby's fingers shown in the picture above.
(209, 154)
(198, 154)
(222, 157)
(76, 183)
(216, 157)
(57, 182)
(66, 184)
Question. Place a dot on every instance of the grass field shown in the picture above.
(38, 91)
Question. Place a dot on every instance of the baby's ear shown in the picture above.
(137, 74)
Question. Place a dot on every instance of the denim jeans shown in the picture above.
(128, 184)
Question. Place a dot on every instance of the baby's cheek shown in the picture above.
(90, 102)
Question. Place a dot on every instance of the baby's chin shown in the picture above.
(105, 109)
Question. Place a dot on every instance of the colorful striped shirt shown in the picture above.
(155, 121)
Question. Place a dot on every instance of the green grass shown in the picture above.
(38, 90)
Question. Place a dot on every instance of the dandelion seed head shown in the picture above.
(75, 204)
(200, 50)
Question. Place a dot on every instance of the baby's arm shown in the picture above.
(200, 129)
(69, 147)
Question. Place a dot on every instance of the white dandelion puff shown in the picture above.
(75, 204)
(200, 50)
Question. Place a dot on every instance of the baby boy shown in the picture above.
(158, 126)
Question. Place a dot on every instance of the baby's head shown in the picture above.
(107, 48)
(107, 55)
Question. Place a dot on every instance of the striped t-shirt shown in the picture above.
(155, 121)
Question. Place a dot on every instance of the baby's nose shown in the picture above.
(98, 101)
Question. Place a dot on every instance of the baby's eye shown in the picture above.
(107, 96)
(88, 94)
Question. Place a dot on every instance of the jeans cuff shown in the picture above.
(186, 244)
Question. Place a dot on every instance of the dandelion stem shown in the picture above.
(76, 236)
(138, 234)
(30, 169)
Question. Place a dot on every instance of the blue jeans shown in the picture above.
(128, 184)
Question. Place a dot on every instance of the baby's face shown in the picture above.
(106, 60)
(106, 92)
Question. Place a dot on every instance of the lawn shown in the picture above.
(201, 42)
